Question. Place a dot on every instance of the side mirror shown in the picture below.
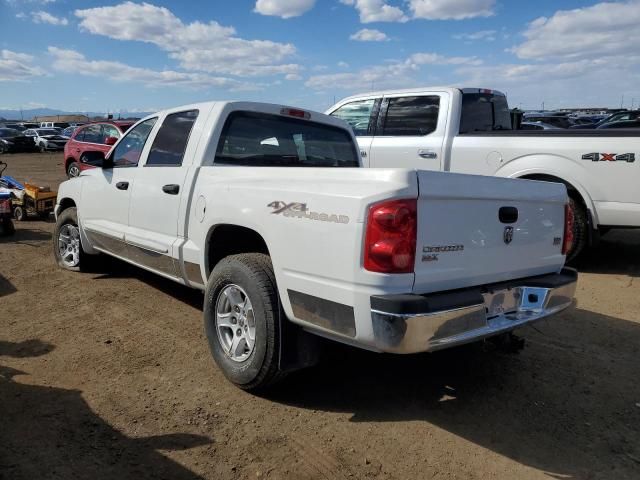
(110, 141)
(95, 158)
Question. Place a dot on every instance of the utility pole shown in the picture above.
(622, 100)
(543, 105)
(633, 100)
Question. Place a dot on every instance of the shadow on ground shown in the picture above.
(562, 405)
(27, 236)
(617, 253)
(6, 287)
(50, 432)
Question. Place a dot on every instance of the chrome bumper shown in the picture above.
(484, 313)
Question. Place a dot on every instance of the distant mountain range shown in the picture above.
(37, 112)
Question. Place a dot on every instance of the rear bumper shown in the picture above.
(420, 323)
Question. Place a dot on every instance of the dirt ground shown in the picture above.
(108, 376)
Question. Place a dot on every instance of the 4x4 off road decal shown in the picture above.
(610, 157)
(300, 210)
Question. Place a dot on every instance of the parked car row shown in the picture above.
(622, 119)
(74, 140)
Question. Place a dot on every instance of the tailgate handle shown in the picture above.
(122, 185)
(508, 214)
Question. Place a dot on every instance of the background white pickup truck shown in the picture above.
(266, 208)
(469, 131)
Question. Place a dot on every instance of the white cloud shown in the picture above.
(342, 64)
(488, 35)
(376, 11)
(437, 59)
(73, 61)
(369, 35)
(451, 9)
(207, 47)
(45, 17)
(589, 32)
(573, 83)
(292, 77)
(283, 8)
(394, 74)
(17, 67)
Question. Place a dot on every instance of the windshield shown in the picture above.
(47, 131)
(9, 132)
(263, 140)
(484, 112)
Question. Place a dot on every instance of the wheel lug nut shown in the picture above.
(239, 332)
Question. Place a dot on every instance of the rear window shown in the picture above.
(484, 112)
(264, 140)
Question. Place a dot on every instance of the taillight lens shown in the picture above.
(567, 241)
(390, 239)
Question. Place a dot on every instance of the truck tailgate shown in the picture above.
(468, 233)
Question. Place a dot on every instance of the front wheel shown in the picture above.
(67, 248)
(241, 317)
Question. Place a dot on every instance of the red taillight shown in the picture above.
(390, 240)
(567, 240)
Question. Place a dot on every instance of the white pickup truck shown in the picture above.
(267, 209)
(468, 130)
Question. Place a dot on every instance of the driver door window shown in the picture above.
(127, 152)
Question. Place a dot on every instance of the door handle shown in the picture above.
(122, 185)
(171, 189)
(427, 153)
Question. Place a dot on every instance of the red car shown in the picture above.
(92, 136)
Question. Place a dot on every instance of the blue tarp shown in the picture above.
(10, 182)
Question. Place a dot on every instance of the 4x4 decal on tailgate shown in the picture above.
(610, 157)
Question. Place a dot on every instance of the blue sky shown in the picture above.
(100, 55)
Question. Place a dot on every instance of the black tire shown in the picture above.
(69, 217)
(252, 272)
(73, 167)
(580, 228)
(19, 214)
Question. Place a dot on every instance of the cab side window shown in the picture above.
(171, 141)
(412, 116)
(128, 151)
(357, 114)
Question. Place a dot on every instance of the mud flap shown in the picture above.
(298, 349)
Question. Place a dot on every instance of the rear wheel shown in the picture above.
(73, 170)
(242, 315)
(580, 228)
